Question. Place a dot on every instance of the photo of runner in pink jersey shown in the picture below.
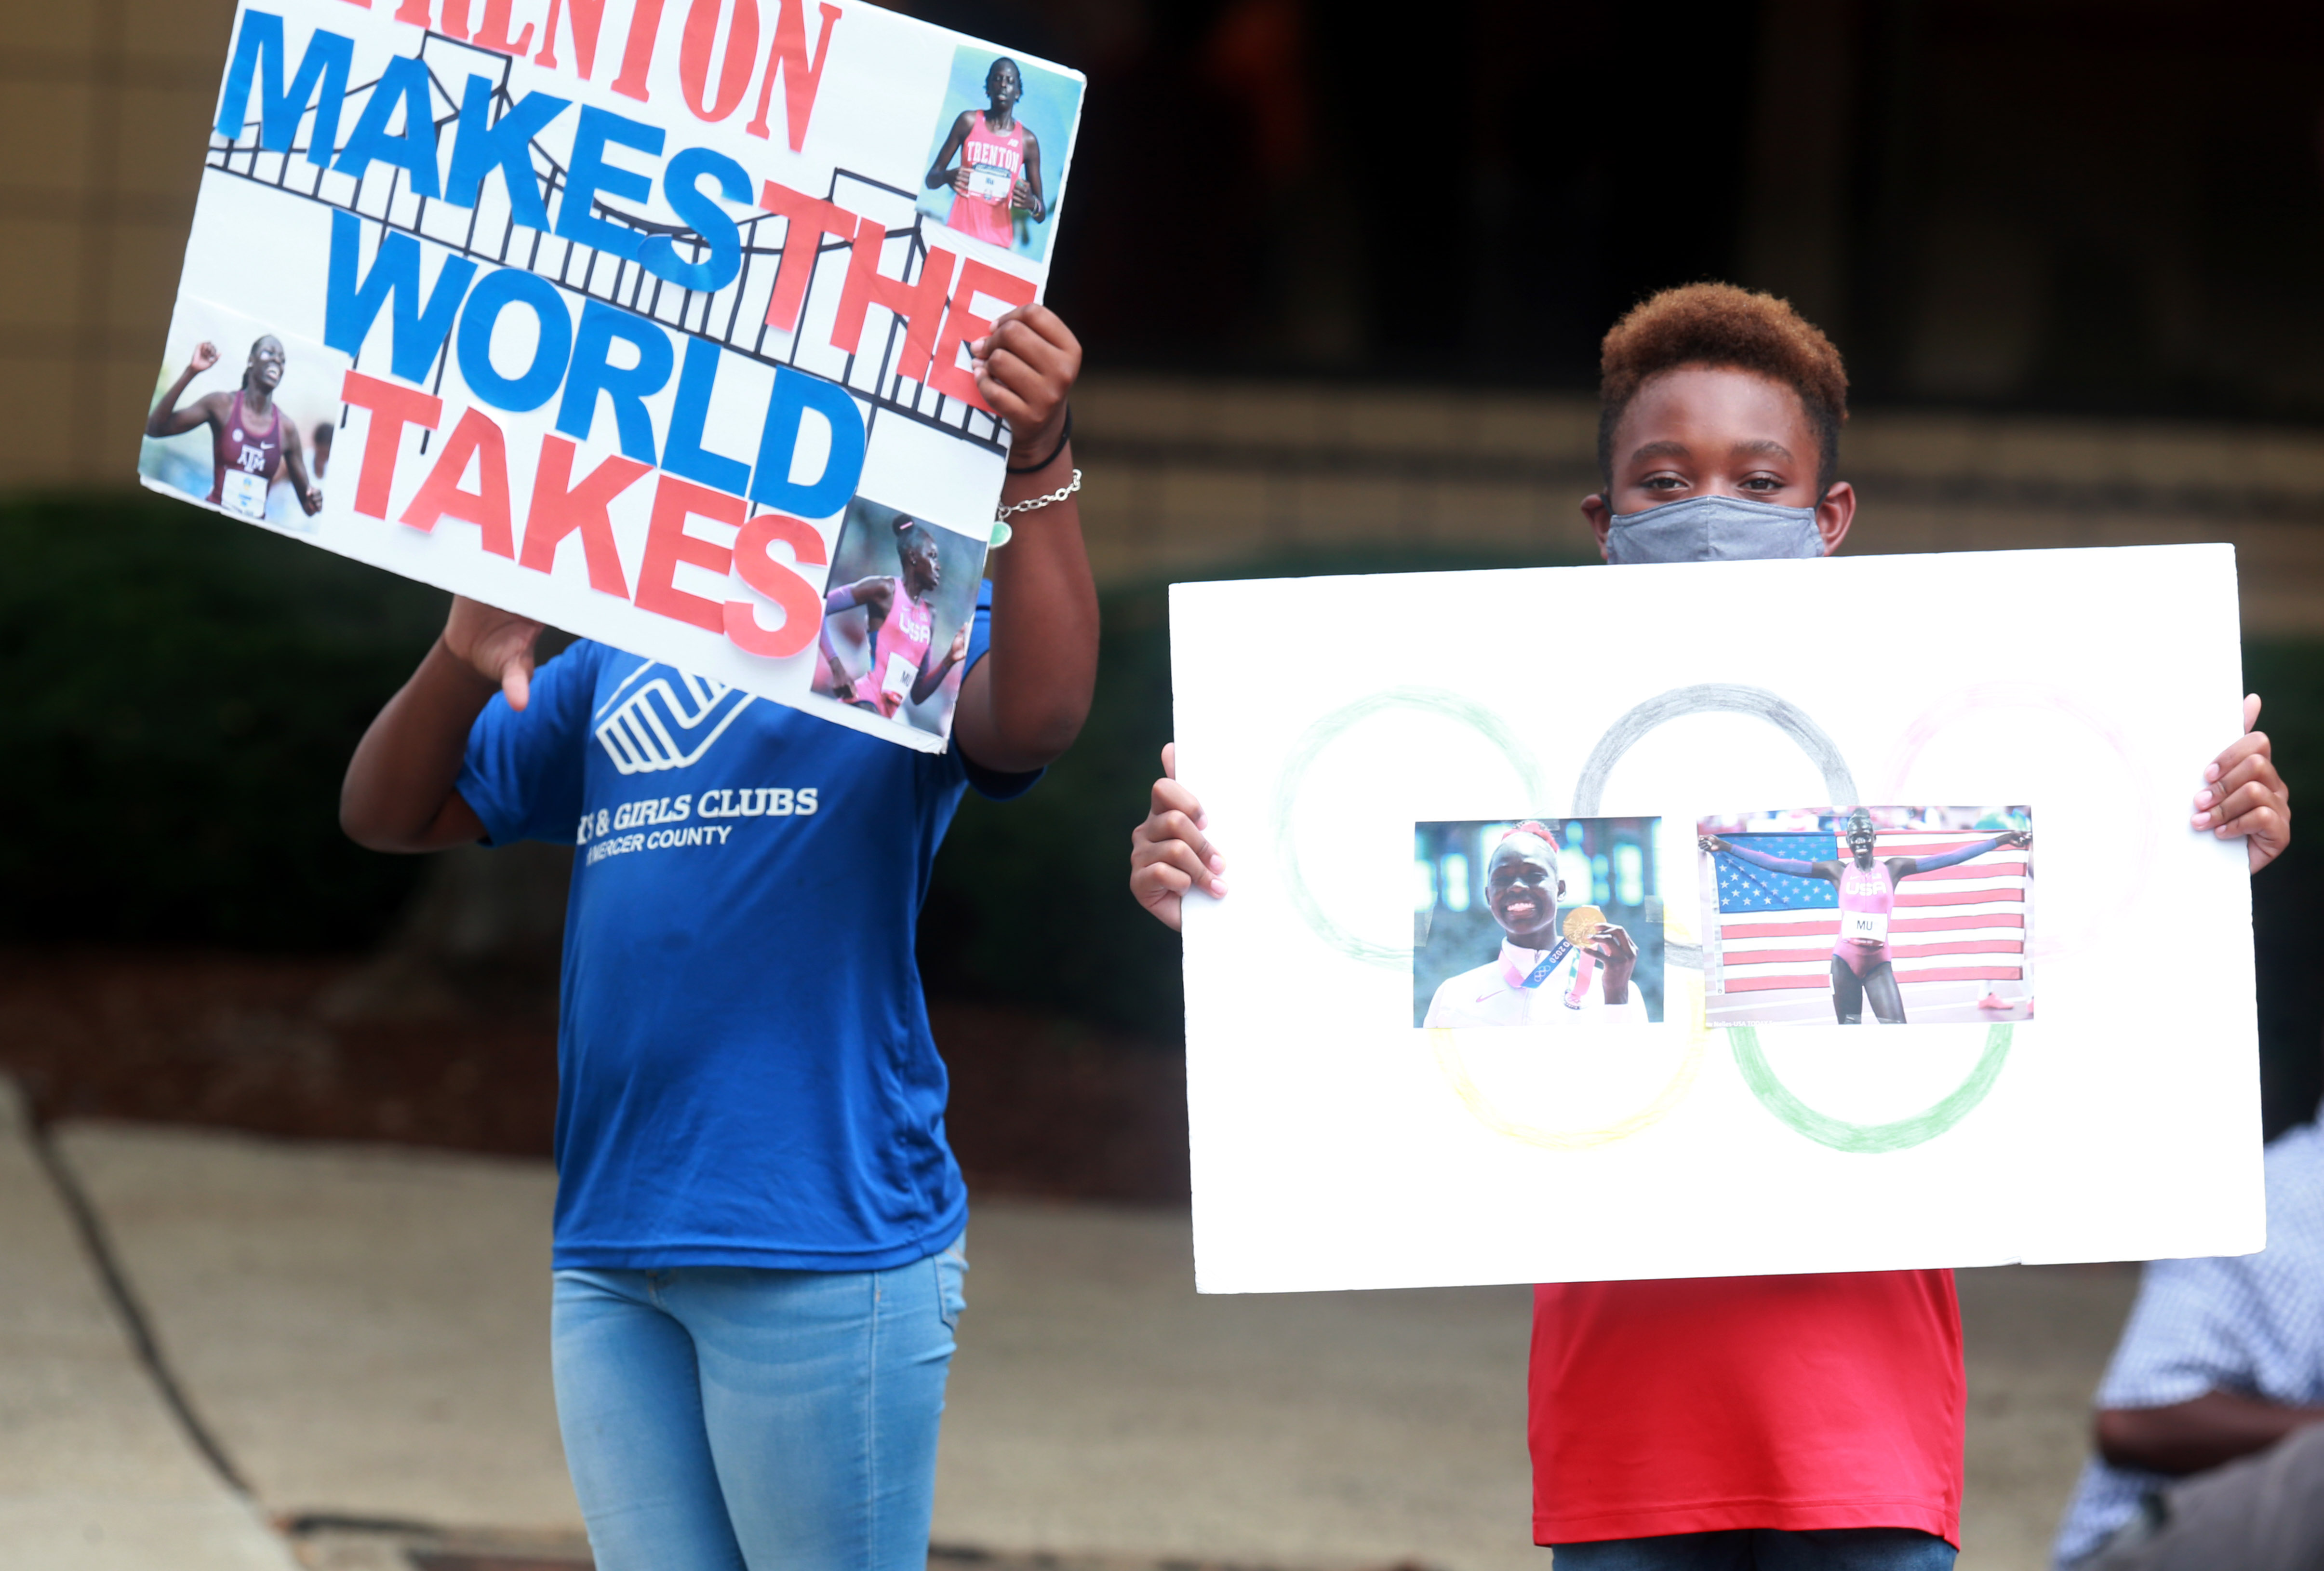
(994, 165)
(896, 616)
(999, 174)
(252, 440)
(1807, 911)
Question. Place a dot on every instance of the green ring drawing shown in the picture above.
(1321, 735)
(1872, 1138)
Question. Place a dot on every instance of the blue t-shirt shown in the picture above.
(745, 1075)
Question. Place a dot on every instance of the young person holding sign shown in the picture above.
(1862, 967)
(1807, 1422)
(758, 1221)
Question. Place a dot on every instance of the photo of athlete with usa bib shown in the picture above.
(1947, 932)
(900, 661)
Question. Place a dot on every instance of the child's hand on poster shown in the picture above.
(206, 355)
(496, 644)
(2244, 797)
(1168, 853)
(1026, 368)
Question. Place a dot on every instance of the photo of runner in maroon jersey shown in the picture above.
(252, 441)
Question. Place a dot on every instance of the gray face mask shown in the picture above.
(1713, 529)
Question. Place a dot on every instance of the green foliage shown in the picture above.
(179, 694)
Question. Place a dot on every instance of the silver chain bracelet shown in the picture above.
(1059, 494)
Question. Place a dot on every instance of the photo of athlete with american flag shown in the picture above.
(1803, 925)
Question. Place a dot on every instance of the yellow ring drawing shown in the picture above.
(1673, 1092)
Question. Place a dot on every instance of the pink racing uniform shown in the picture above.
(993, 159)
(1868, 898)
(246, 461)
(899, 653)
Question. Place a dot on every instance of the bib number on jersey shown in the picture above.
(988, 182)
(244, 493)
(898, 678)
(1864, 927)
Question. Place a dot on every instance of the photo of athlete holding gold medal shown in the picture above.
(1550, 969)
(1862, 966)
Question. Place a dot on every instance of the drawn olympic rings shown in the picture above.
(1765, 1084)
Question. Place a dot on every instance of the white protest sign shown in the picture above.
(644, 318)
(1402, 1072)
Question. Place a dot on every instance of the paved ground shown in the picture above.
(363, 1330)
(94, 1473)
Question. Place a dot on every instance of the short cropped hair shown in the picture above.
(1723, 327)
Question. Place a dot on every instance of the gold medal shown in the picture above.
(1581, 922)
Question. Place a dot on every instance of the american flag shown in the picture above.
(1957, 924)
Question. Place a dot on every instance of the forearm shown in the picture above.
(1042, 662)
(1954, 858)
(157, 424)
(398, 794)
(931, 677)
(1772, 864)
(2194, 1436)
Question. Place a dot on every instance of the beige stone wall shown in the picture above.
(102, 109)
(1185, 475)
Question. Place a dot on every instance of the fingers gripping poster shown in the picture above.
(1718, 918)
(648, 319)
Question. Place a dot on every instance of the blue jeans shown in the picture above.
(1765, 1549)
(723, 1418)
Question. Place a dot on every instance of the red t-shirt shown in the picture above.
(1700, 1405)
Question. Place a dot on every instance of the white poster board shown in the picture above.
(646, 319)
(1336, 1144)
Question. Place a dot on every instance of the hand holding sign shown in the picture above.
(1025, 368)
(2244, 796)
(496, 644)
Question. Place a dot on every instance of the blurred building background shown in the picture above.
(1340, 270)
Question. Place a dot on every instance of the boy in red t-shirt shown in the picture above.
(1806, 1423)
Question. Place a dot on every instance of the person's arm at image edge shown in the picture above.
(1022, 704)
(399, 793)
(2194, 1436)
